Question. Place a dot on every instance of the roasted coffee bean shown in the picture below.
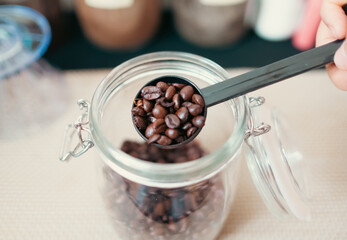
(159, 111)
(159, 100)
(126, 146)
(151, 92)
(164, 140)
(140, 122)
(183, 114)
(162, 101)
(158, 122)
(155, 128)
(147, 105)
(187, 126)
(200, 195)
(134, 154)
(167, 204)
(160, 160)
(162, 85)
(158, 210)
(186, 104)
(167, 104)
(159, 125)
(161, 128)
(180, 139)
(170, 92)
(197, 99)
(153, 138)
(193, 153)
(180, 160)
(172, 121)
(150, 130)
(151, 118)
(187, 92)
(179, 85)
(155, 198)
(137, 111)
(191, 131)
(172, 133)
(195, 109)
(177, 101)
(198, 121)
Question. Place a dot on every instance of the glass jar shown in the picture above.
(188, 200)
(26, 80)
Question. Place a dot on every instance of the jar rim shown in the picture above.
(170, 174)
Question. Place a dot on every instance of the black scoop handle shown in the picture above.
(269, 74)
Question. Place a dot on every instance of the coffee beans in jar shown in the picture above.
(128, 181)
(189, 212)
(168, 113)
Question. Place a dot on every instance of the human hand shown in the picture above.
(334, 26)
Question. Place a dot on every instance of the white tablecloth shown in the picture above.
(43, 198)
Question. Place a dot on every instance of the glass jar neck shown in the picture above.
(156, 174)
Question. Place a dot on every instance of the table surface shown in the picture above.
(43, 198)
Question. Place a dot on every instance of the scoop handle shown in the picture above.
(269, 74)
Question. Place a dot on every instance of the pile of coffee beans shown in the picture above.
(187, 152)
(144, 212)
(168, 113)
(165, 205)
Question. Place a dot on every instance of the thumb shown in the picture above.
(340, 57)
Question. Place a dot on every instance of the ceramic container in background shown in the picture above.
(119, 25)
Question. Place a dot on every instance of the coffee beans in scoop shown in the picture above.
(168, 113)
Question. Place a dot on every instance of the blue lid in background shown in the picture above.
(24, 37)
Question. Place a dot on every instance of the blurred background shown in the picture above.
(233, 33)
(39, 39)
(43, 42)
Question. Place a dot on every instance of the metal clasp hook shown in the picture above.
(263, 127)
(78, 128)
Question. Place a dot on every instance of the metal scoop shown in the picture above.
(255, 79)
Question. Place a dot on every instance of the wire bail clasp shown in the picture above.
(263, 127)
(79, 129)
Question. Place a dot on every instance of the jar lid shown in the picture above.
(24, 36)
(276, 164)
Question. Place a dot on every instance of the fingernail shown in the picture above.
(340, 58)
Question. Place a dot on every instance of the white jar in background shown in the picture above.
(277, 19)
